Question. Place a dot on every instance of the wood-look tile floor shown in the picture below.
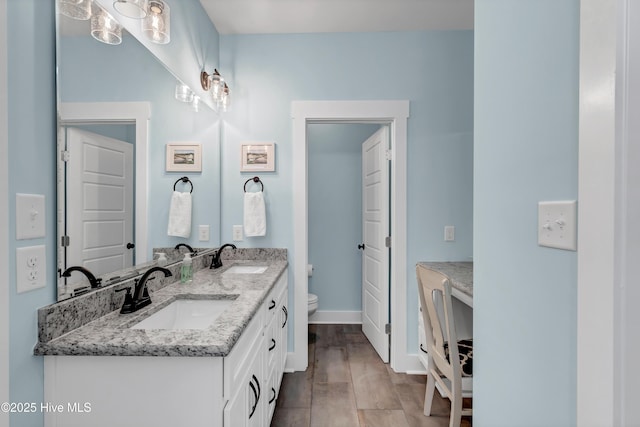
(347, 385)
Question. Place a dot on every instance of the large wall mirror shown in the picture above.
(117, 111)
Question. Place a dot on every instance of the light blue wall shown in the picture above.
(526, 150)
(126, 133)
(434, 70)
(32, 129)
(127, 72)
(335, 213)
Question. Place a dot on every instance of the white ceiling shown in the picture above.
(321, 16)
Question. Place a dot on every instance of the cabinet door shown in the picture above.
(246, 407)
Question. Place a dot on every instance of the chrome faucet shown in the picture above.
(95, 283)
(179, 245)
(141, 296)
(216, 262)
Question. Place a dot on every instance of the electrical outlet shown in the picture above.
(237, 233)
(203, 233)
(30, 268)
(449, 233)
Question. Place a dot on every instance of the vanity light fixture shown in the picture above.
(156, 26)
(104, 28)
(76, 9)
(136, 9)
(220, 92)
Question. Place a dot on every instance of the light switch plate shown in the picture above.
(31, 266)
(203, 233)
(557, 224)
(237, 233)
(449, 233)
(30, 217)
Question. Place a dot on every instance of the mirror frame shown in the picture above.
(82, 113)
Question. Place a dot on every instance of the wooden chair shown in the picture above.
(445, 362)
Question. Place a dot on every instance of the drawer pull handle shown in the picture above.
(273, 390)
(256, 394)
(422, 349)
(273, 305)
(273, 344)
(286, 315)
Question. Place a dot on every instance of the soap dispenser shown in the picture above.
(186, 270)
(162, 259)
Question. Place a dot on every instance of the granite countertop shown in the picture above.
(460, 274)
(110, 335)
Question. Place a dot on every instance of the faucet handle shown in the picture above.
(128, 300)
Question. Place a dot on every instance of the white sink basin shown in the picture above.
(185, 314)
(246, 269)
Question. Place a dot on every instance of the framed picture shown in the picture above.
(257, 156)
(184, 157)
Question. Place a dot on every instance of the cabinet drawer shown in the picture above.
(271, 302)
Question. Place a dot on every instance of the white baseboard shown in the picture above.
(335, 317)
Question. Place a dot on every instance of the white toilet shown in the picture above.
(313, 303)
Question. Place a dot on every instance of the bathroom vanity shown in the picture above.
(141, 369)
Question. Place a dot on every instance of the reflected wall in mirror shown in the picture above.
(117, 112)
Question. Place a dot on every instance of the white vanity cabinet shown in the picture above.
(239, 390)
(275, 344)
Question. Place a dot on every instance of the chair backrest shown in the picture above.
(435, 290)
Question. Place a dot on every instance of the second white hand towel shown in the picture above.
(180, 215)
(255, 219)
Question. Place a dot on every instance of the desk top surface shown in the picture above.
(460, 274)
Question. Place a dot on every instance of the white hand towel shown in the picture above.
(255, 219)
(180, 215)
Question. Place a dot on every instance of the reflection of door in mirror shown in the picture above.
(99, 202)
(106, 164)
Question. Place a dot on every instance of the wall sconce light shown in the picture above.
(104, 28)
(156, 26)
(220, 92)
(136, 9)
(76, 9)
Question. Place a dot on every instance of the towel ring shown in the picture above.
(185, 180)
(254, 179)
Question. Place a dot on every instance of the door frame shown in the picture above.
(396, 114)
(138, 113)
(4, 218)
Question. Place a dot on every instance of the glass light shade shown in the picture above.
(195, 104)
(225, 100)
(183, 93)
(104, 28)
(76, 9)
(217, 85)
(136, 9)
(156, 26)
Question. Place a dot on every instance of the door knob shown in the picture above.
(130, 246)
(361, 246)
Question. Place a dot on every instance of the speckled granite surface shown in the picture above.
(460, 274)
(92, 325)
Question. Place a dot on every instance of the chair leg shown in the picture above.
(428, 393)
(456, 406)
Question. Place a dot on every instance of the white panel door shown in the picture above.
(375, 257)
(99, 202)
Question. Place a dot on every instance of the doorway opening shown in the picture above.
(348, 210)
(395, 113)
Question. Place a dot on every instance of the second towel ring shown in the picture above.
(184, 179)
(255, 179)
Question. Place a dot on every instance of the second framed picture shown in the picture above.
(184, 157)
(257, 156)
